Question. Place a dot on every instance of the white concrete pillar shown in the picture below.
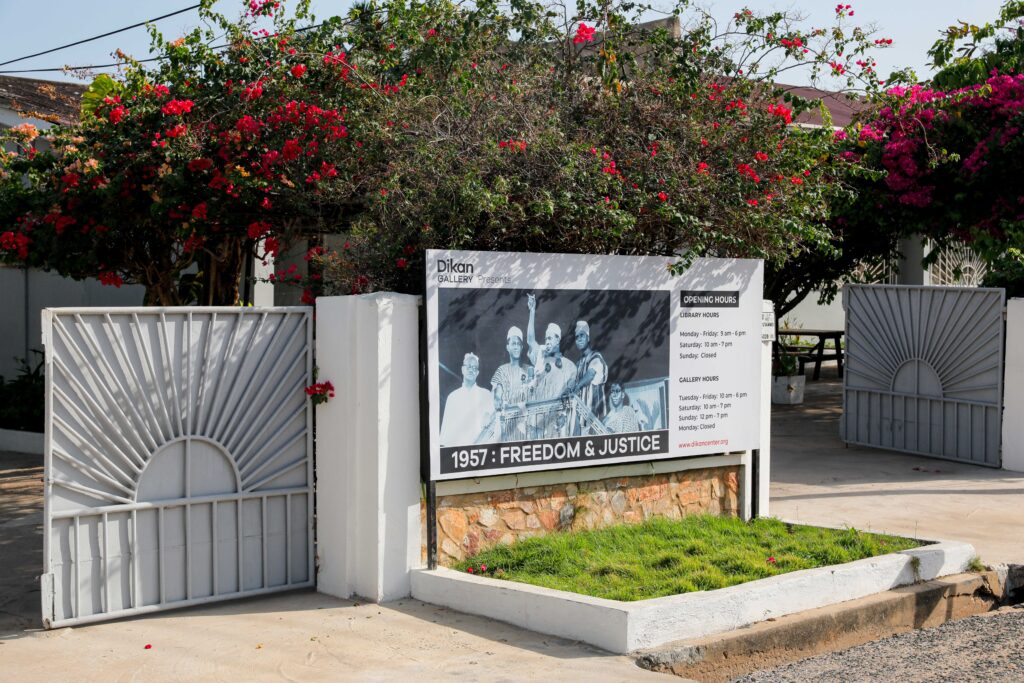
(1013, 388)
(765, 455)
(368, 445)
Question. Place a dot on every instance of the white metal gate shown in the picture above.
(924, 370)
(178, 466)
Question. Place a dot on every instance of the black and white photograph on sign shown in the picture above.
(527, 365)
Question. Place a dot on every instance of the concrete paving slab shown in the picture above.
(817, 479)
(301, 636)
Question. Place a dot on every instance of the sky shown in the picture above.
(29, 27)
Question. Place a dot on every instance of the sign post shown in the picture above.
(554, 361)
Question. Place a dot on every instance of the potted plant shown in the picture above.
(787, 382)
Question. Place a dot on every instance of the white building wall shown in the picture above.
(25, 292)
(810, 314)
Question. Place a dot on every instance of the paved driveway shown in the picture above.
(817, 479)
(302, 636)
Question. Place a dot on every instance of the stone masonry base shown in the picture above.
(471, 522)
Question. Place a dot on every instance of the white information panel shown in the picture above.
(549, 361)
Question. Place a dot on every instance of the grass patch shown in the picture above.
(665, 557)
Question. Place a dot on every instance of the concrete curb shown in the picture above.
(827, 629)
(17, 441)
(624, 627)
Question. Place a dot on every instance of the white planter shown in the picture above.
(788, 391)
(624, 627)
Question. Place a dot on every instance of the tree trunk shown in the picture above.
(222, 270)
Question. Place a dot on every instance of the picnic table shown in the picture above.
(816, 354)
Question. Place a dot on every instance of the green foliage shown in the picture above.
(409, 124)
(22, 400)
(976, 565)
(663, 557)
(102, 86)
(967, 54)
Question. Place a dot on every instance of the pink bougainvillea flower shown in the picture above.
(584, 34)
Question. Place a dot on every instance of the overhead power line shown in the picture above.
(86, 40)
(113, 64)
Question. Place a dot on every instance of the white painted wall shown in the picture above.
(25, 292)
(812, 315)
(368, 445)
(1013, 388)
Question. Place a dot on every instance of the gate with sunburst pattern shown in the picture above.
(178, 466)
(924, 370)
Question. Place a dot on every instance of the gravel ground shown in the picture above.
(987, 648)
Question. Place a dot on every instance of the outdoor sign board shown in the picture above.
(551, 361)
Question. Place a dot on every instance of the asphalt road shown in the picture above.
(988, 648)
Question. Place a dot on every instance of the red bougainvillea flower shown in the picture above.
(291, 150)
(752, 202)
(117, 115)
(771, 560)
(483, 567)
(177, 107)
(584, 34)
(469, 569)
(401, 263)
(247, 125)
(258, 229)
(15, 241)
(192, 243)
(199, 211)
(308, 299)
(662, 196)
(201, 164)
(702, 168)
(110, 278)
(781, 111)
(761, 156)
(298, 70)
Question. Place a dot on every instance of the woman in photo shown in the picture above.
(621, 416)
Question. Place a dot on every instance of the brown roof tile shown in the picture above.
(52, 101)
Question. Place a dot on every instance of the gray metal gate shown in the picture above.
(924, 370)
(178, 466)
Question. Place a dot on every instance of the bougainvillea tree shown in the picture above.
(951, 157)
(408, 125)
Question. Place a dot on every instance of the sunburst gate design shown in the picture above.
(178, 458)
(958, 265)
(924, 369)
